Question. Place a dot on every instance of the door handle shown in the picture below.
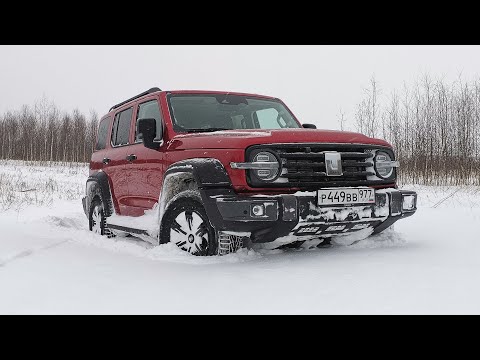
(106, 161)
(131, 157)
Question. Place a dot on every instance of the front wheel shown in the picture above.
(185, 224)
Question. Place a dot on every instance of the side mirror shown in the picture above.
(309, 126)
(147, 130)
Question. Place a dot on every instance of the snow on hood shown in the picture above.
(240, 139)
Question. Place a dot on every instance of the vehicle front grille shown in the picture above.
(303, 165)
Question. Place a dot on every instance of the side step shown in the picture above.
(136, 226)
(139, 233)
(133, 225)
(127, 229)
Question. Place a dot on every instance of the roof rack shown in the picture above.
(149, 91)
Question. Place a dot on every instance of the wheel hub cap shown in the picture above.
(189, 232)
(97, 220)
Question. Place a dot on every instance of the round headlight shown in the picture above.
(266, 174)
(383, 165)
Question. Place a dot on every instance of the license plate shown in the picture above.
(346, 196)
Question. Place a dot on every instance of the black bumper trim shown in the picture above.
(300, 215)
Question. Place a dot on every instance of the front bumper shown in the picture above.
(298, 217)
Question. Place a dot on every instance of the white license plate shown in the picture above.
(346, 196)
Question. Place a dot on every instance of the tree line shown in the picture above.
(44, 133)
(433, 125)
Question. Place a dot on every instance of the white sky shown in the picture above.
(314, 81)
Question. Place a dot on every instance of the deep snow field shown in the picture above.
(50, 263)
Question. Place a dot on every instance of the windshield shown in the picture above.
(197, 113)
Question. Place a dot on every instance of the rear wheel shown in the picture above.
(185, 223)
(97, 219)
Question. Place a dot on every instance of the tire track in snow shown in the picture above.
(29, 252)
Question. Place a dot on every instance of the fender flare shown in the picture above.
(100, 180)
(207, 172)
(210, 177)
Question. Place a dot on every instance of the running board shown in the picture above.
(139, 233)
(127, 229)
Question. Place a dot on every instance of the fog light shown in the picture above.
(408, 202)
(258, 210)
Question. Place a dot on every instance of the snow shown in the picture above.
(51, 263)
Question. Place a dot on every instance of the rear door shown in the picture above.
(145, 170)
(117, 157)
(102, 146)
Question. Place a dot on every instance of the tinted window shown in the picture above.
(121, 127)
(102, 134)
(149, 110)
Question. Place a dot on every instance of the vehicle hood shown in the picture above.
(241, 139)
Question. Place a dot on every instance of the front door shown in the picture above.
(145, 170)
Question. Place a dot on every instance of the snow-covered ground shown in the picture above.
(51, 263)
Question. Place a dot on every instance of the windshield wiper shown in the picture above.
(206, 129)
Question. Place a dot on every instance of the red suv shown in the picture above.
(225, 170)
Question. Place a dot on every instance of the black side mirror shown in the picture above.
(309, 126)
(147, 130)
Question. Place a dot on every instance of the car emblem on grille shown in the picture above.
(333, 164)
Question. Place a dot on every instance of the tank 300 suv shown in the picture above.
(223, 170)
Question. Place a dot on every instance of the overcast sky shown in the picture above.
(314, 81)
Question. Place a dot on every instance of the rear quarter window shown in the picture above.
(102, 134)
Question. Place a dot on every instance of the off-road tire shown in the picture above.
(97, 216)
(185, 223)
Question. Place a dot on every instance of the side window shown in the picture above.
(270, 119)
(102, 134)
(121, 127)
(149, 109)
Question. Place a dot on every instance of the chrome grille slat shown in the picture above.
(302, 156)
(304, 164)
(355, 155)
(357, 164)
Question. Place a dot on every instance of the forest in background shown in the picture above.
(43, 132)
(433, 125)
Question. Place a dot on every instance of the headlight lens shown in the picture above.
(383, 165)
(266, 174)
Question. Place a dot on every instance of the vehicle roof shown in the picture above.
(218, 92)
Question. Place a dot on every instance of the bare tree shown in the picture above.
(366, 116)
(341, 119)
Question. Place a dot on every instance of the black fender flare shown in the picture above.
(211, 179)
(99, 181)
(207, 172)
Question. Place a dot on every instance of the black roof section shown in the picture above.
(149, 91)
